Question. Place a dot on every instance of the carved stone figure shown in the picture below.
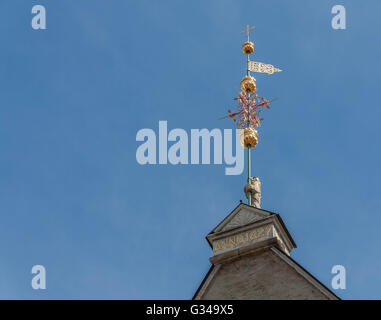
(254, 186)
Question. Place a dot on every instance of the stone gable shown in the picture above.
(265, 275)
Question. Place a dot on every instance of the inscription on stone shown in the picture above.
(242, 238)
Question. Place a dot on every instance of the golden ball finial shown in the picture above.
(249, 136)
(248, 47)
(248, 83)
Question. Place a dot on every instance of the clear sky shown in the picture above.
(73, 197)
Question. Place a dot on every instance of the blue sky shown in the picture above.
(72, 98)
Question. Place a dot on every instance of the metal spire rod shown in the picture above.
(247, 115)
(248, 119)
(248, 149)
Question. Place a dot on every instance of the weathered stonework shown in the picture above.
(247, 225)
(251, 260)
(254, 187)
(242, 218)
(264, 275)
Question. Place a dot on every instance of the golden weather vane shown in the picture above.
(253, 66)
(260, 67)
(247, 115)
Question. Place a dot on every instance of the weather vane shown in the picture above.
(247, 115)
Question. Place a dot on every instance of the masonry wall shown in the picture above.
(263, 276)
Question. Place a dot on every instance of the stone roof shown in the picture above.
(251, 260)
